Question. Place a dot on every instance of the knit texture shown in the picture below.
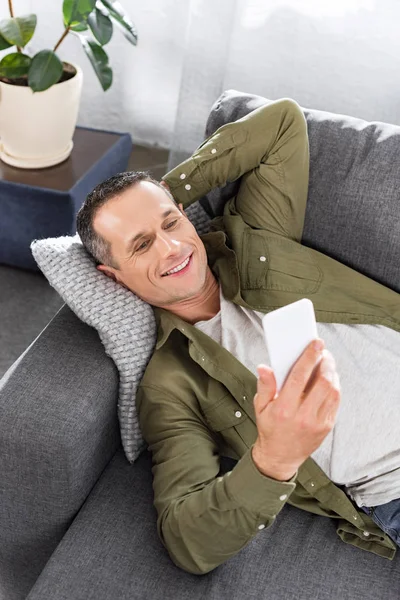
(125, 323)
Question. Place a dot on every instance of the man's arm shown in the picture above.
(203, 519)
(269, 148)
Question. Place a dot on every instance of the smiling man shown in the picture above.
(165, 262)
(204, 394)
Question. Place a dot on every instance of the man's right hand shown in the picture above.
(291, 425)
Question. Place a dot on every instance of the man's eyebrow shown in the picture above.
(132, 241)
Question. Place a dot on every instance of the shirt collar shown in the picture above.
(166, 322)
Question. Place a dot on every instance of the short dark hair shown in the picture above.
(95, 244)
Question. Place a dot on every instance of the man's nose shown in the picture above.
(166, 244)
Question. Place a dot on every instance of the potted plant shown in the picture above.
(40, 94)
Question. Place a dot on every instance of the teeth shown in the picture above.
(179, 267)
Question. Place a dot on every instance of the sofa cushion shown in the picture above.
(112, 550)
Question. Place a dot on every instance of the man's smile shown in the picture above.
(179, 269)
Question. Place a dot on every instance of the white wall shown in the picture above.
(337, 55)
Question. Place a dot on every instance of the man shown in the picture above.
(205, 395)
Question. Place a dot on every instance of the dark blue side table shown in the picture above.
(41, 203)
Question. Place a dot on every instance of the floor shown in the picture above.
(28, 302)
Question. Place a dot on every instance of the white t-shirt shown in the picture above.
(362, 451)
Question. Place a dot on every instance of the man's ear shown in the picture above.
(106, 270)
(181, 209)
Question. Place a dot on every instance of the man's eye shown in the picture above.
(142, 246)
(171, 224)
(145, 244)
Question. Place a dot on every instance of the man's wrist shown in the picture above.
(266, 468)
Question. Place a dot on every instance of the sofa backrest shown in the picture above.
(353, 206)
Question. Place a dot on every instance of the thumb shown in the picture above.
(266, 387)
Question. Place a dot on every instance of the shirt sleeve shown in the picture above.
(202, 519)
(270, 145)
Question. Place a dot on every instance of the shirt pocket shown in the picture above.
(273, 262)
(228, 419)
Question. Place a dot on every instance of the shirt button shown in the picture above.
(220, 478)
(202, 358)
(355, 517)
(238, 414)
(188, 186)
(262, 258)
(182, 176)
(213, 151)
(261, 526)
(366, 533)
(244, 397)
(283, 497)
(312, 484)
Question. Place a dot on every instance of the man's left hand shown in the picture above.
(165, 185)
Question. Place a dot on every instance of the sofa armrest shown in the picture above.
(58, 431)
(112, 545)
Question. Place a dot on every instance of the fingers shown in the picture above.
(329, 408)
(264, 373)
(324, 395)
(302, 370)
(266, 387)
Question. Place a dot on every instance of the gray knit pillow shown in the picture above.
(125, 323)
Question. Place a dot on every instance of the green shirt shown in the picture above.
(195, 401)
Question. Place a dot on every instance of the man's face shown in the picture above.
(149, 236)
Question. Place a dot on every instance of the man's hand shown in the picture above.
(293, 424)
(165, 185)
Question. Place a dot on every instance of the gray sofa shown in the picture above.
(77, 521)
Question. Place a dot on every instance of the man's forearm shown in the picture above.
(206, 528)
(202, 519)
(233, 150)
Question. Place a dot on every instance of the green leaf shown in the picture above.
(19, 30)
(75, 11)
(101, 26)
(15, 65)
(82, 26)
(99, 60)
(122, 20)
(3, 43)
(45, 70)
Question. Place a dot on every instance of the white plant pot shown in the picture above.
(36, 129)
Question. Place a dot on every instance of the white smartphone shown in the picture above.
(288, 330)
